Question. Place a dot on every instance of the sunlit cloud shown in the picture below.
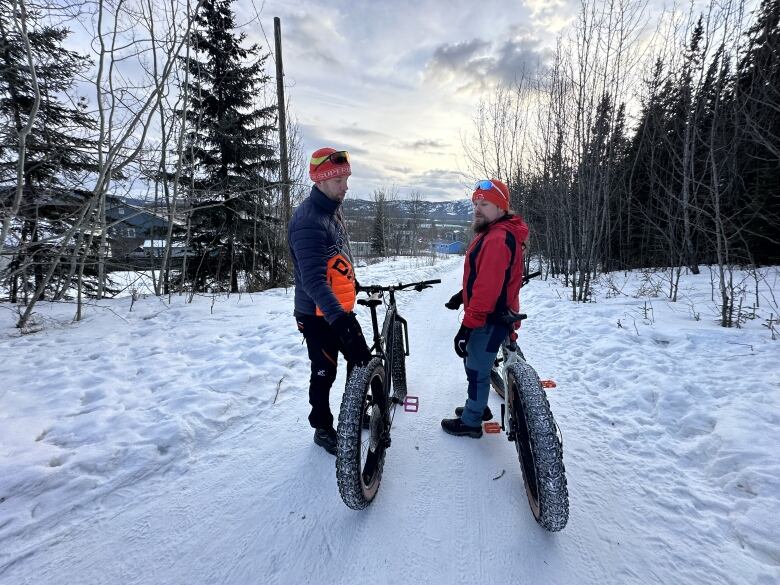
(424, 144)
(476, 65)
(398, 85)
(551, 16)
(398, 170)
(359, 132)
(315, 38)
(441, 179)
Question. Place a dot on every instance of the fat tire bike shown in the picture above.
(371, 396)
(532, 428)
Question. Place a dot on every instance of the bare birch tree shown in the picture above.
(126, 113)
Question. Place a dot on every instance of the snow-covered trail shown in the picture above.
(258, 502)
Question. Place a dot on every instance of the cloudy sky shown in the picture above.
(397, 83)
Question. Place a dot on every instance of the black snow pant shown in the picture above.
(323, 345)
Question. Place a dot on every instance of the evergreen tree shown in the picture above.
(757, 112)
(378, 234)
(58, 149)
(647, 172)
(614, 254)
(59, 152)
(683, 186)
(229, 154)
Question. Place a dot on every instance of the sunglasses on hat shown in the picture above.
(340, 157)
(487, 186)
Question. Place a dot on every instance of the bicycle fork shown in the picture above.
(504, 361)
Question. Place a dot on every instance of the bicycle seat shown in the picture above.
(371, 301)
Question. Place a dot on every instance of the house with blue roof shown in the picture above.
(447, 247)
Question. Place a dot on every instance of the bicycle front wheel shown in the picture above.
(399, 363)
(360, 448)
(538, 448)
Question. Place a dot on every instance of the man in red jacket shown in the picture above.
(492, 274)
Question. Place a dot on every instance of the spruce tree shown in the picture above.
(59, 152)
(757, 105)
(648, 170)
(229, 153)
(380, 227)
(378, 234)
(58, 149)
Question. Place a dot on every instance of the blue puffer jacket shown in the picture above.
(324, 276)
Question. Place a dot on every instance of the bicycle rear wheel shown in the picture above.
(360, 452)
(538, 448)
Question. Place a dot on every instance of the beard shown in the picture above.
(479, 225)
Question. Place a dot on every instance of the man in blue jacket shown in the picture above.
(325, 285)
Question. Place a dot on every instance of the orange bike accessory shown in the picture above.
(548, 384)
(491, 427)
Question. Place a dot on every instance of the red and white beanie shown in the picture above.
(497, 193)
(322, 168)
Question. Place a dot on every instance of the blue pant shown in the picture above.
(482, 348)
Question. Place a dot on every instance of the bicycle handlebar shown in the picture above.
(418, 286)
(528, 277)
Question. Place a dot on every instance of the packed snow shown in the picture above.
(162, 441)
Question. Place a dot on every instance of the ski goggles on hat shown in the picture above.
(340, 157)
(487, 186)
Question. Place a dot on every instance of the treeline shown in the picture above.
(172, 105)
(638, 149)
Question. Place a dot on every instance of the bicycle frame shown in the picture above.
(511, 354)
(382, 345)
(368, 407)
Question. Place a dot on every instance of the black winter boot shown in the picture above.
(455, 426)
(486, 414)
(326, 438)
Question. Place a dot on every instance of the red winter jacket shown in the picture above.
(493, 271)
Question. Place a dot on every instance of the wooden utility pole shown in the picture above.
(282, 121)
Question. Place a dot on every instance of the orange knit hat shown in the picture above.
(328, 163)
(494, 191)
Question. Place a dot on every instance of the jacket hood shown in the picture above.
(513, 224)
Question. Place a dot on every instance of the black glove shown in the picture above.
(455, 301)
(461, 340)
(351, 336)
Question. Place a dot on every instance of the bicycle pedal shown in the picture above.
(549, 384)
(491, 427)
(411, 404)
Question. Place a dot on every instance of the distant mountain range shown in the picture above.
(441, 211)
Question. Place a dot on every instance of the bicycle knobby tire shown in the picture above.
(539, 449)
(360, 452)
(399, 363)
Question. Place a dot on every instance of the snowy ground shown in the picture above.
(170, 445)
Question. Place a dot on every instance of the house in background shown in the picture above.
(130, 224)
(155, 249)
(445, 247)
(135, 230)
(129, 221)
